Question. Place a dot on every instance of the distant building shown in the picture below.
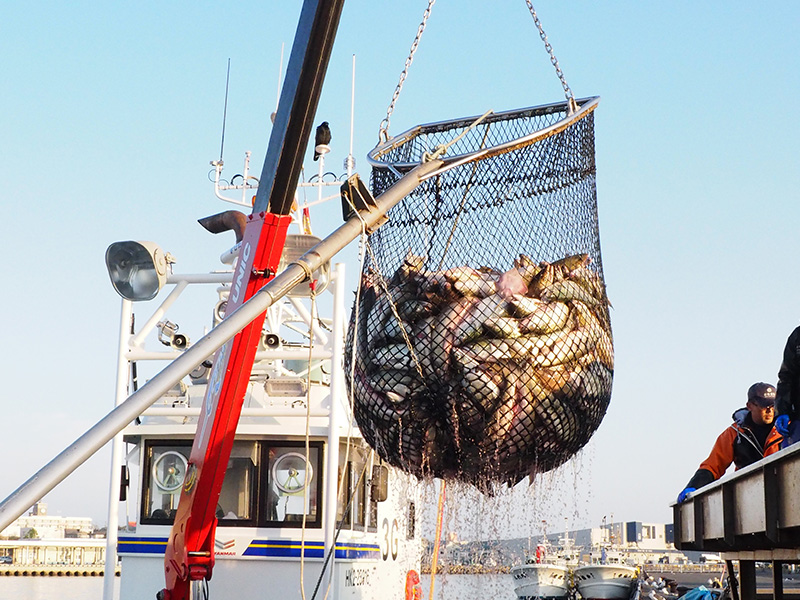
(38, 524)
(632, 542)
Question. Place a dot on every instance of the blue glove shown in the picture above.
(682, 496)
(782, 424)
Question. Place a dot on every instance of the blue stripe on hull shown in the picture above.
(265, 548)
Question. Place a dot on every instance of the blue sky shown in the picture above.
(110, 114)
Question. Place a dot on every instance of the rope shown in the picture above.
(442, 148)
(573, 107)
(435, 559)
(383, 131)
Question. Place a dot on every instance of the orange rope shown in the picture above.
(435, 559)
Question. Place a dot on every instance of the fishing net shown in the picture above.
(483, 348)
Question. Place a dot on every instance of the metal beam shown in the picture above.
(297, 106)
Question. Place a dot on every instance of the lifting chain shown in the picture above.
(567, 92)
(383, 132)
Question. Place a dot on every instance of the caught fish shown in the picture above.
(411, 266)
(401, 383)
(566, 290)
(568, 264)
(527, 267)
(481, 373)
(414, 310)
(393, 356)
(547, 318)
(558, 378)
(522, 306)
(591, 281)
(503, 327)
(481, 285)
(542, 280)
(605, 350)
(563, 347)
(511, 283)
(376, 321)
(503, 418)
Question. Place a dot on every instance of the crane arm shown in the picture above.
(190, 550)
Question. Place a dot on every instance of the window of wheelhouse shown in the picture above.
(355, 507)
(165, 466)
(266, 484)
(164, 469)
(293, 485)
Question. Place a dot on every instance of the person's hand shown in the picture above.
(782, 424)
(682, 496)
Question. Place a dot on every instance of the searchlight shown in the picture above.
(137, 270)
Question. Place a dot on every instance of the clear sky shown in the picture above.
(110, 114)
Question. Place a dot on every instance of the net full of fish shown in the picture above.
(479, 374)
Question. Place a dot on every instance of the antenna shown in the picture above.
(225, 110)
(278, 100)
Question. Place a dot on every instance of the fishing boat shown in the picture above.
(302, 488)
(540, 580)
(605, 581)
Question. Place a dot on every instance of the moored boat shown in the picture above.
(605, 582)
(543, 580)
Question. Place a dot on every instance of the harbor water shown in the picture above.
(52, 588)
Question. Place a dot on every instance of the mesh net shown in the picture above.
(483, 347)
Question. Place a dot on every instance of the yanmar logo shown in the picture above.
(241, 273)
(224, 544)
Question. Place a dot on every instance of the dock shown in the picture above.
(63, 557)
(749, 517)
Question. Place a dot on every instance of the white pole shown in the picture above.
(337, 393)
(123, 376)
(350, 160)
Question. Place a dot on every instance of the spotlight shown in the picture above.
(169, 336)
(271, 341)
(137, 269)
(200, 372)
(219, 311)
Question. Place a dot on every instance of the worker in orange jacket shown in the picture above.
(751, 437)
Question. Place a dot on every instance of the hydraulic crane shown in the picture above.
(190, 550)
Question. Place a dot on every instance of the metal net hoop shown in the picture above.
(454, 381)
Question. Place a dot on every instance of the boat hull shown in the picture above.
(605, 582)
(540, 580)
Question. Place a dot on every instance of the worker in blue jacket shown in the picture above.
(787, 400)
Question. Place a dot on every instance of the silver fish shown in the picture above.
(591, 281)
(413, 310)
(483, 383)
(471, 326)
(393, 356)
(399, 382)
(522, 306)
(503, 327)
(564, 347)
(547, 318)
(481, 285)
(376, 321)
(566, 290)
